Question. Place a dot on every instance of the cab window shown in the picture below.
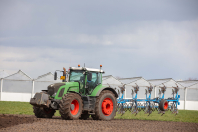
(96, 79)
(99, 78)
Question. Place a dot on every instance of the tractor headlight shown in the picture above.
(54, 95)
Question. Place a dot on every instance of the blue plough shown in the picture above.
(149, 105)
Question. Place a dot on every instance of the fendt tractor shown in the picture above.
(79, 97)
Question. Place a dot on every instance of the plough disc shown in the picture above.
(174, 109)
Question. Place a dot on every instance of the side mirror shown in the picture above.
(55, 75)
(89, 76)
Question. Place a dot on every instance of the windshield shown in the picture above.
(76, 76)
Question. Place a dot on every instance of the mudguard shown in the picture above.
(107, 88)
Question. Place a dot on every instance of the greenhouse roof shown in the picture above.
(20, 75)
(168, 82)
(105, 77)
(157, 82)
(46, 77)
(188, 83)
(141, 82)
(3, 74)
(194, 86)
(129, 80)
(110, 80)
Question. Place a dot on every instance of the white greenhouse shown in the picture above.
(16, 87)
(191, 94)
(20, 87)
(130, 83)
(42, 82)
(112, 82)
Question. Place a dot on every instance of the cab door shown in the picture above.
(95, 81)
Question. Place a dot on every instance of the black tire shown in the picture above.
(163, 105)
(84, 116)
(93, 117)
(106, 106)
(43, 112)
(67, 111)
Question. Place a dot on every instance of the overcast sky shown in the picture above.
(153, 39)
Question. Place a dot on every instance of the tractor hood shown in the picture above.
(53, 88)
(66, 87)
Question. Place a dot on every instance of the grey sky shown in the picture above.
(153, 39)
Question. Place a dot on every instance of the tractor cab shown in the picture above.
(87, 78)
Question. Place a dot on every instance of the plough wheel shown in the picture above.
(106, 105)
(163, 105)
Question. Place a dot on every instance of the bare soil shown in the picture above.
(31, 123)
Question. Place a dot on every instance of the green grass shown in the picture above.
(25, 108)
(7, 107)
(21, 108)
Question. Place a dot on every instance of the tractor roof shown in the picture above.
(86, 69)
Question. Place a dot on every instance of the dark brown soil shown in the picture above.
(12, 120)
(31, 123)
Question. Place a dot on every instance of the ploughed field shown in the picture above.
(31, 123)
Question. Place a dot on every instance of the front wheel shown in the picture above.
(106, 105)
(43, 112)
(71, 106)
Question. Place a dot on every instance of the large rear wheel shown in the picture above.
(106, 105)
(71, 106)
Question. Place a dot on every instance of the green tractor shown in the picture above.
(79, 97)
